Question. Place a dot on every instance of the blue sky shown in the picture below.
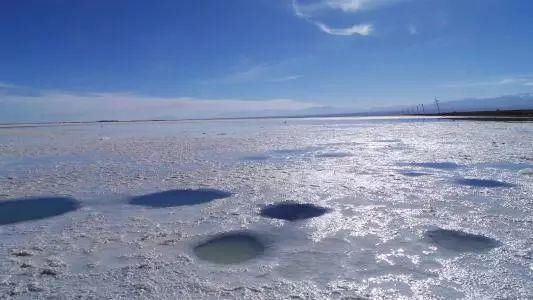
(122, 59)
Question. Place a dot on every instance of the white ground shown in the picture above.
(371, 245)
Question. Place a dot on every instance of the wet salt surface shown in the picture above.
(282, 155)
(374, 242)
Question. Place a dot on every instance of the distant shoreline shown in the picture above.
(498, 115)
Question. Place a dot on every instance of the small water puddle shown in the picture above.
(22, 210)
(230, 248)
(179, 198)
(482, 183)
(436, 165)
(292, 211)
(414, 174)
(333, 154)
(461, 241)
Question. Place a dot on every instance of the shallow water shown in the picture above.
(377, 240)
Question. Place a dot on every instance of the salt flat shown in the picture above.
(394, 208)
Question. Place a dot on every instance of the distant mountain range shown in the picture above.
(508, 102)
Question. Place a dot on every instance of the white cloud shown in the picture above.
(67, 106)
(312, 7)
(304, 13)
(356, 5)
(361, 29)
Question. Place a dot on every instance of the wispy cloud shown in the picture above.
(55, 105)
(14, 90)
(260, 72)
(251, 73)
(356, 5)
(412, 29)
(361, 29)
(313, 11)
(5, 85)
(304, 13)
(286, 78)
(526, 80)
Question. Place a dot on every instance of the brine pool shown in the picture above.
(324, 208)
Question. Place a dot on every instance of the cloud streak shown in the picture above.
(286, 78)
(519, 80)
(280, 71)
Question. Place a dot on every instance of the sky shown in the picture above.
(129, 59)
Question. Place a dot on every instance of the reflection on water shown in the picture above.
(230, 248)
(179, 197)
(21, 210)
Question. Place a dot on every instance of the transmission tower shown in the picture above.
(437, 104)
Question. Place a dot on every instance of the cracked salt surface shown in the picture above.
(374, 242)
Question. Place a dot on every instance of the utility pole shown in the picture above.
(437, 104)
(423, 110)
